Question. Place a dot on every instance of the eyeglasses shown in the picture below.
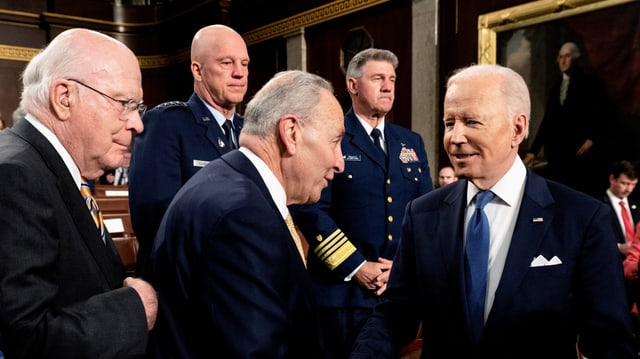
(128, 106)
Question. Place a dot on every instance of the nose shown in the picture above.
(239, 70)
(134, 122)
(457, 133)
(339, 163)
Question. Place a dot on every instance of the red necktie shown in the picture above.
(628, 224)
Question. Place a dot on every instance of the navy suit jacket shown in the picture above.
(179, 138)
(61, 286)
(538, 312)
(365, 203)
(230, 279)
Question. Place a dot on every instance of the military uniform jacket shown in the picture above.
(179, 138)
(359, 215)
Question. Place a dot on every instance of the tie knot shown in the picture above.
(482, 198)
(622, 204)
(376, 134)
(227, 125)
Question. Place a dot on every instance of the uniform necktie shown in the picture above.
(377, 137)
(477, 258)
(296, 237)
(228, 130)
(96, 214)
(628, 224)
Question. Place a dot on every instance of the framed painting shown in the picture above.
(527, 38)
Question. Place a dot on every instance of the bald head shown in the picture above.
(220, 67)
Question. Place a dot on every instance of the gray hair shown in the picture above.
(573, 48)
(58, 60)
(511, 85)
(292, 92)
(361, 58)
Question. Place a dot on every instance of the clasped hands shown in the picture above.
(374, 275)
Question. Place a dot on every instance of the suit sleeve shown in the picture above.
(36, 319)
(395, 321)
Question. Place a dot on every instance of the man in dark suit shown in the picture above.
(572, 131)
(354, 229)
(182, 137)
(64, 291)
(228, 264)
(622, 181)
(542, 274)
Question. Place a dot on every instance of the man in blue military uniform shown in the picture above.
(354, 229)
(182, 137)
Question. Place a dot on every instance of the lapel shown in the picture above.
(107, 257)
(213, 133)
(537, 203)
(238, 161)
(360, 139)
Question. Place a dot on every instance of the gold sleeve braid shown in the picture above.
(334, 249)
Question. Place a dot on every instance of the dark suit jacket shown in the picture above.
(538, 312)
(61, 287)
(366, 202)
(230, 279)
(178, 139)
(635, 216)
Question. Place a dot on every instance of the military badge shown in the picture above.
(408, 155)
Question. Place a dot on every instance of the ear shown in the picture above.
(61, 99)
(352, 86)
(289, 133)
(520, 126)
(195, 70)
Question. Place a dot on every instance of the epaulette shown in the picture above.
(169, 104)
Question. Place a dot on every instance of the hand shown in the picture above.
(374, 275)
(623, 248)
(585, 147)
(147, 295)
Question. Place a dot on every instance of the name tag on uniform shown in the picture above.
(352, 158)
(199, 163)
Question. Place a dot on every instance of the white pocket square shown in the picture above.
(541, 261)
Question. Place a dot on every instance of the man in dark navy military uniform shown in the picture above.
(354, 230)
(182, 137)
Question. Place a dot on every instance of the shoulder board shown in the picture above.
(170, 104)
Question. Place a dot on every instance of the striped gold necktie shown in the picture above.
(296, 237)
(96, 214)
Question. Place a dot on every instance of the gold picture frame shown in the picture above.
(608, 33)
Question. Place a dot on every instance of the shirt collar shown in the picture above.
(216, 114)
(509, 188)
(55, 142)
(274, 186)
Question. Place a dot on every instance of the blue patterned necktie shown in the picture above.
(476, 260)
(96, 214)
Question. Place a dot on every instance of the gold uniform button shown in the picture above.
(415, 179)
(390, 237)
(389, 199)
(349, 176)
(408, 169)
(388, 181)
(419, 170)
(390, 219)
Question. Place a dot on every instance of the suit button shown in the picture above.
(390, 219)
(389, 199)
(388, 180)
(390, 237)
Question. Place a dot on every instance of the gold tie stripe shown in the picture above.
(94, 210)
(296, 237)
